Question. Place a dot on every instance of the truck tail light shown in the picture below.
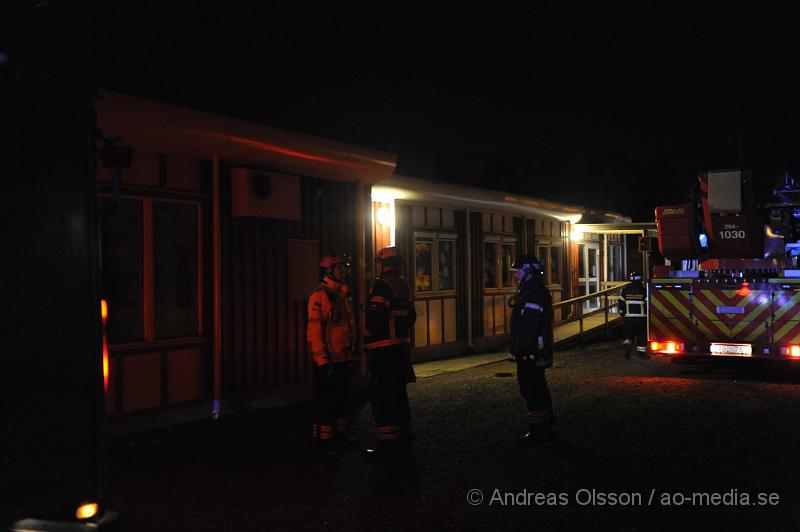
(667, 347)
(794, 351)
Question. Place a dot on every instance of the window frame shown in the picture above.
(498, 241)
(434, 237)
(149, 318)
(550, 245)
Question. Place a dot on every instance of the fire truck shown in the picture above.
(52, 314)
(732, 285)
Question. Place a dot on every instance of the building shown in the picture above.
(211, 252)
(211, 249)
(460, 242)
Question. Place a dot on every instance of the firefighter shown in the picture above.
(331, 336)
(633, 308)
(389, 318)
(532, 345)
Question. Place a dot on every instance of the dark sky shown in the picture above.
(613, 110)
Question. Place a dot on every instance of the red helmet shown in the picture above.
(389, 257)
(329, 261)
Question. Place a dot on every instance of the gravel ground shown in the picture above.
(630, 429)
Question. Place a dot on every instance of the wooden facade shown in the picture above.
(459, 244)
(213, 246)
(264, 295)
(211, 253)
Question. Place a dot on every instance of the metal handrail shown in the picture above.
(593, 295)
(580, 299)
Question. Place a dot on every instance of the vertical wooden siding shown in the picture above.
(476, 243)
(263, 331)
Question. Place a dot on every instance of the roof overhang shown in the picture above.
(632, 228)
(155, 126)
(414, 190)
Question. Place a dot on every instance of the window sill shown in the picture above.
(157, 345)
(433, 295)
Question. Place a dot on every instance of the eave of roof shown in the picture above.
(156, 126)
(415, 190)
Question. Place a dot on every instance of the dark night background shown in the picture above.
(612, 108)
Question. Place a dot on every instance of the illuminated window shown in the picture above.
(507, 262)
(489, 265)
(446, 268)
(435, 262)
(555, 265)
(498, 258)
(543, 254)
(422, 266)
(550, 257)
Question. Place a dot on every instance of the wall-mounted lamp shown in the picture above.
(577, 236)
(383, 214)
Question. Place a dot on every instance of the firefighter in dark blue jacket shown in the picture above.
(633, 308)
(532, 345)
(388, 319)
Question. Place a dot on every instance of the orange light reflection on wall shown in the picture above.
(293, 153)
(104, 316)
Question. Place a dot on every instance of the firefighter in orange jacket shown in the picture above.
(389, 318)
(331, 336)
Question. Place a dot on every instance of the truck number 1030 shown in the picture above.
(731, 234)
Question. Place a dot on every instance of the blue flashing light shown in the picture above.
(703, 240)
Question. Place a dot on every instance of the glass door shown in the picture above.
(589, 273)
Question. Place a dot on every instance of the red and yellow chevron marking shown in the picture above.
(669, 315)
(786, 326)
(752, 325)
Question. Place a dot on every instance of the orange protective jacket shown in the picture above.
(331, 330)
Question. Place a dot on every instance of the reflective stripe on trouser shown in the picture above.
(330, 400)
(322, 432)
(387, 343)
(394, 432)
(538, 416)
(389, 432)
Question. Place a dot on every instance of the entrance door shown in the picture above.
(589, 273)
